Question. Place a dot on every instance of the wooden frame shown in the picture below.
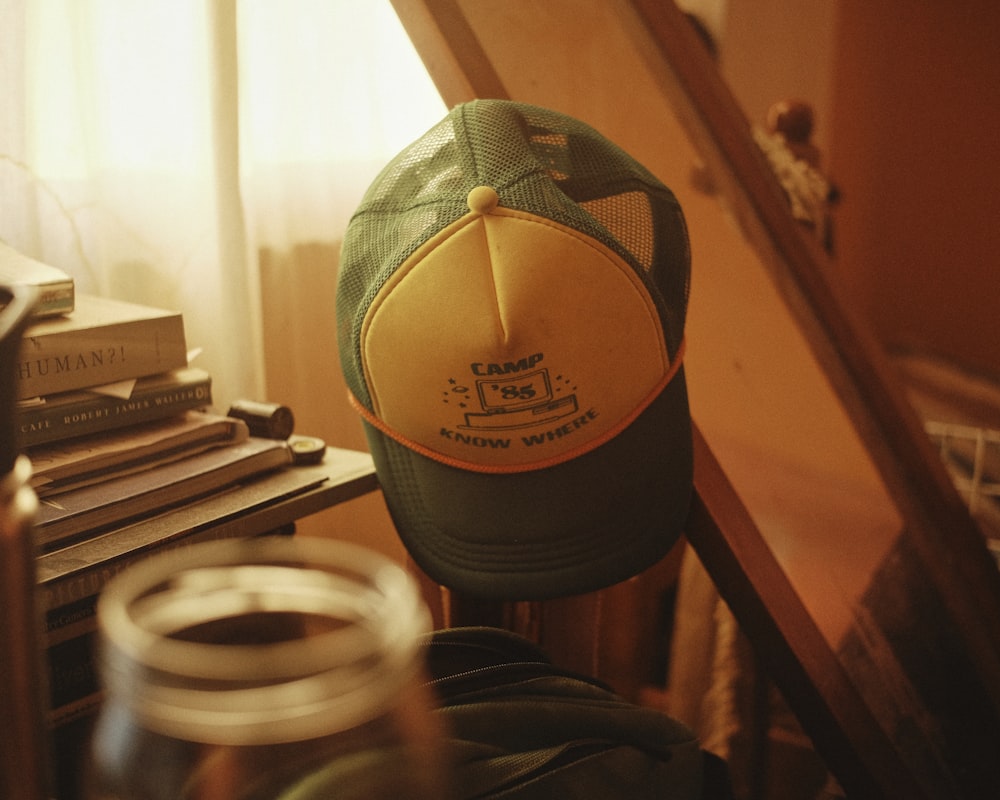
(925, 629)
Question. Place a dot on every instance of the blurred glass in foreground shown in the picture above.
(268, 668)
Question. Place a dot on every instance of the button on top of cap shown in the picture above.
(483, 199)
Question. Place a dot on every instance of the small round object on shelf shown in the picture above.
(307, 449)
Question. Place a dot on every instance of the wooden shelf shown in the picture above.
(70, 579)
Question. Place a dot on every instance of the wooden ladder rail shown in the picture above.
(952, 556)
(939, 523)
(863, 747)
(788, 642)
(941, 528)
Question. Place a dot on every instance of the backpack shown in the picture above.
(523, 729)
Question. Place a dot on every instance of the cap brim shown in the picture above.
(574, 528)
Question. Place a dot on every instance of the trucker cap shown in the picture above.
(511, 306)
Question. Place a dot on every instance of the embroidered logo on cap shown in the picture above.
(525, 379)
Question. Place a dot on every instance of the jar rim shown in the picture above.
(289, 689)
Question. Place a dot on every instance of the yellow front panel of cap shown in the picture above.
(511, 342)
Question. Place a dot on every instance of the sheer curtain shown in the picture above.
(157, 150)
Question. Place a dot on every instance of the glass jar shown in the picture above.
(277, 667)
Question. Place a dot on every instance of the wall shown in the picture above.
(913, 143)
(775, 49)
(905, 176)
(303, 371)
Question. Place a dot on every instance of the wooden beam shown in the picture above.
(947, 566)
(788, 641)
(450, 49)
(944, 532)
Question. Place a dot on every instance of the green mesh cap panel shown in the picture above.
(538, 161)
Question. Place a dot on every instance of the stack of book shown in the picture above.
(115, 422)
(120, 432)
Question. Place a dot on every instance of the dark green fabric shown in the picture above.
(566, 528)
(522, 728)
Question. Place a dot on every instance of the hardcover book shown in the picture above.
(85, 512)
(58, 417)
(63, 466)
(56, 289)
(71, 578)
(103, 341)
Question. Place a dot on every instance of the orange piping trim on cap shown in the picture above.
(458, 463)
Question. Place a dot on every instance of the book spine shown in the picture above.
(96, 413)
(71, 621)
(95, 508)
(67, 360)
(73, 679)
(55, 299)
(56, 288)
